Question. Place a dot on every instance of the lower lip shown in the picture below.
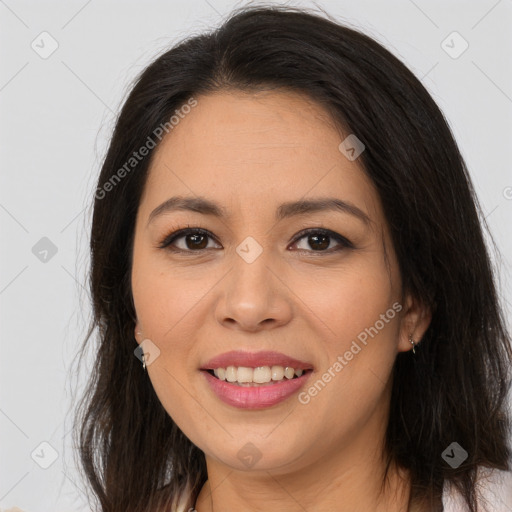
(255, 397)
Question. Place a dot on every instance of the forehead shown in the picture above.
(251, 149)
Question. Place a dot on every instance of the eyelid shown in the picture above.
(176, 233)
(324, 231)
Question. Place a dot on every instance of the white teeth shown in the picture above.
(231, 374)
(220, 373)
(277, 373)
(289, 372)
(244, 374)
(259, 375)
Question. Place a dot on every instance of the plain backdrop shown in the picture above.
(57, 112)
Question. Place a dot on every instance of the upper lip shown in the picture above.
(254, 359)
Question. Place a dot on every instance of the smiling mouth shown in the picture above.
(257, 377)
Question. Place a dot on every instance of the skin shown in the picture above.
(250, 153)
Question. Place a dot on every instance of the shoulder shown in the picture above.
(494, 489)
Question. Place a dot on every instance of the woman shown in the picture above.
(286, 237)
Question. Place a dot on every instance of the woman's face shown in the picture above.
(255, 283)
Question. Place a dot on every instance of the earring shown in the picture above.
(139, 333)
(411, 341)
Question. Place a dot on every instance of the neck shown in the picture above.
(349, 480)
(351, 492)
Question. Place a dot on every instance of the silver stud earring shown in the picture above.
(411, 341)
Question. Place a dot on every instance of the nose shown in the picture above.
(254, 296)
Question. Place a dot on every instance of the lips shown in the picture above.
(254, 360)
(260, 397)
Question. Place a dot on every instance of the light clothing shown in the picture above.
(494, 488)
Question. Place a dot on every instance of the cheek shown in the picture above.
(355, 311)
(170, 306)
(164, 299)
(165, 307)
(344, 302)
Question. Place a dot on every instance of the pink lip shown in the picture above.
(254, 359)
(255, 397)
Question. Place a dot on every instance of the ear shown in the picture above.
(415, 321)
(137, 332)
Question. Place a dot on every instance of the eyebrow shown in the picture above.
(285, 210)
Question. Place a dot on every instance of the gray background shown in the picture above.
(56, 116)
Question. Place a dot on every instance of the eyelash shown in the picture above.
(180, 233)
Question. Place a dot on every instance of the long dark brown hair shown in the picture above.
(454, 388)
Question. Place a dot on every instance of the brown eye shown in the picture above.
(321, 240)
(194, 240)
